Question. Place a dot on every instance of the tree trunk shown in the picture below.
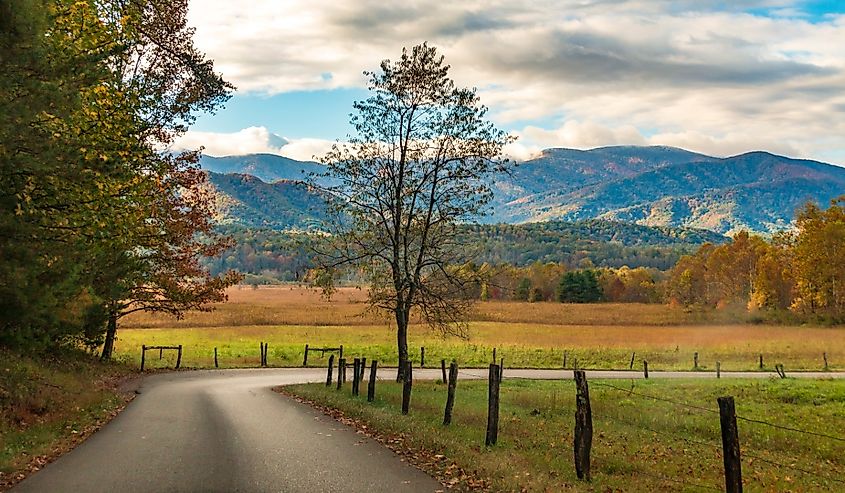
(401, 342)
(111, 332)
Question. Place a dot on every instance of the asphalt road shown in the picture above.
(227, 431)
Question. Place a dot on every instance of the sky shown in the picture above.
(717, 77)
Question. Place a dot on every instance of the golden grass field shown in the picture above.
(526, 334)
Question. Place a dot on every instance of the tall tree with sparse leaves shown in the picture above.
(416, 168)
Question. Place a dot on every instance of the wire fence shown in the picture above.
(786, 463)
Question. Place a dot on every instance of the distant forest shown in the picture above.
(268, 256)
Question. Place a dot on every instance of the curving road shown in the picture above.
(226, 431)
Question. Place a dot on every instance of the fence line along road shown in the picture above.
(636, 374)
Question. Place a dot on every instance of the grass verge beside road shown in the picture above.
(641, 441)
(50, 404)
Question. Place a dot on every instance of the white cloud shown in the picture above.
(306, 149)
(692, 71)
(588, 135)
(252, 140)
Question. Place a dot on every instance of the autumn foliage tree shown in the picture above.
(416, 168)
(801, 270)
(819, 260)
(95, 216)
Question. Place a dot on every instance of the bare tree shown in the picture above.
(417, 167)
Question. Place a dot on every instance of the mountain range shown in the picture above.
(651, 186)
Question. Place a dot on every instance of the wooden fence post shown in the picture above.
(160, 353)
(143, 355)
(406, 387)
(494, 355)
(422, 357)
(363, 367)
(305, 359)
(341, 372)
(371, 388)
(215, 358)
(329, 374)
(631, 366)
(501, 368)
(443, 369)
(356, 369)
(565, 354)
(761, 361)
(450, 396)
(645, 369)
(695, 360)
(341, 352)
(179, 358)
(824, 355)
(730, 445)
(492, 406)
(583, 426)
(718, 370)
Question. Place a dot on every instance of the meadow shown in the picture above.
(527, 335)
(655, 435)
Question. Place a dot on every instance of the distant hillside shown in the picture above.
(247, 201)
(267, 167)
(653, 186)
(660, 186)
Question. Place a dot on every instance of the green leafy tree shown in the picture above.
(580, 286)
(98, 221)
(523, 290)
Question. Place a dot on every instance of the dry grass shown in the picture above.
(270, 305)
(527, 335)
(291, 305)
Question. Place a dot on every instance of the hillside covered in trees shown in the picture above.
(655, 186)
(268, 255)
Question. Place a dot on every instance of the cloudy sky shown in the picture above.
(719, 77)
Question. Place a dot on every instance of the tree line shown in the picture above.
(798, 272)
(270, 256)
(97, 219)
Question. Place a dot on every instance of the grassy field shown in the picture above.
(48, 405)
(640, 443)
(532, 335)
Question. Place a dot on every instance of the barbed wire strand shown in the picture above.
(666, 433)
(679, 481)
(787, 428)
(789, 466)
(646, 396)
